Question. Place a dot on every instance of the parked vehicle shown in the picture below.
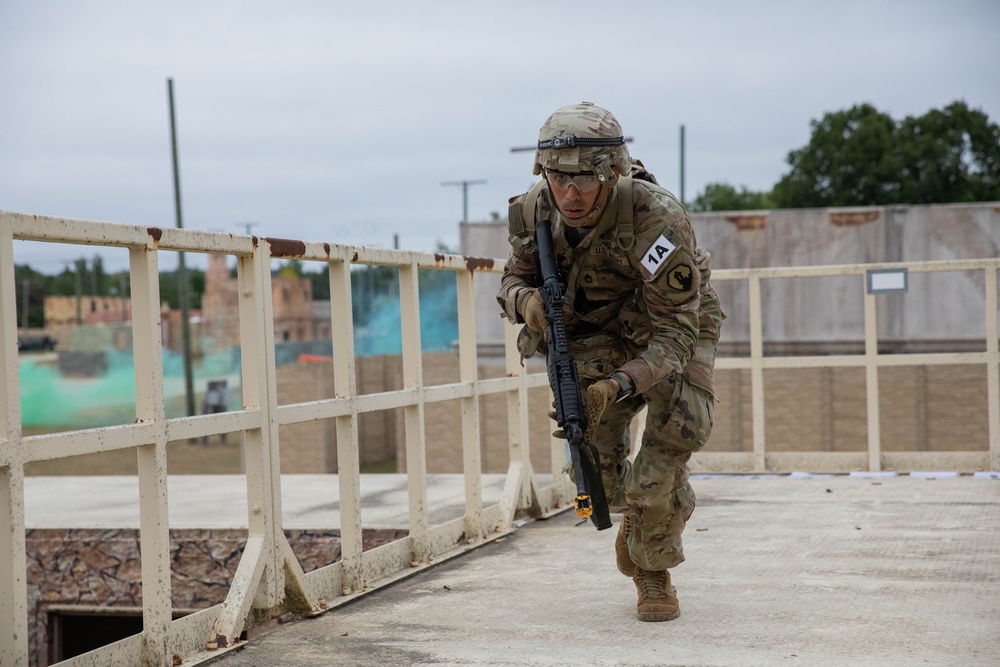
(36, 343)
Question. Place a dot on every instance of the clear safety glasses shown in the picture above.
(584, 182)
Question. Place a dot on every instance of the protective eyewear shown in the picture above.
(584, 182)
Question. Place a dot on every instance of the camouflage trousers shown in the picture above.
(654, 488)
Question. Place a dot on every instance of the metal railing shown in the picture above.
(873, 459)
(269, 579)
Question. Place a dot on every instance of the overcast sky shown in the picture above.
(339, 121)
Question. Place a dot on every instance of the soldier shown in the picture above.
(642, 321)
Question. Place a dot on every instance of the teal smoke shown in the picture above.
(48, 399)
(381, 332)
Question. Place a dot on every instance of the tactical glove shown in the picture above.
(533, 312)
(597, 399)
(558, 433)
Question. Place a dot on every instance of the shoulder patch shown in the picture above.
(680, 278)
(655, 258)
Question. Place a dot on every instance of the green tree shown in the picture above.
(63, 284)
(725, 197)
(950, 155)
(169, 286)
(292, 268)
(320, 282)
(98, 279)
(36, 285)
(850, 160)
(862, 157)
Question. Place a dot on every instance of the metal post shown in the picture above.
(413, 415)
(79, 290)
(25, 290)
(465, 194)
(13, 584)
(757, 374)
(871, 384)
(992, 368)
(121, 282)
(182, 277)
(682, 165)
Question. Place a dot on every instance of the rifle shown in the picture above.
(590, 498)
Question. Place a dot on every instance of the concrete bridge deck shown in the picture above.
(781, 571)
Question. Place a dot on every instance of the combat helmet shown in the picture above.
(582, 137)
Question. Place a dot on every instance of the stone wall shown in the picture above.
(89, 568)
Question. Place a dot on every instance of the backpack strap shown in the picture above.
(626, 232)
(521, 219)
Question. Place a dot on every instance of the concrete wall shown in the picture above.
(924, 408)
(821, 310)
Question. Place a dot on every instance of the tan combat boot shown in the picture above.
(624, 560)
(657, 598)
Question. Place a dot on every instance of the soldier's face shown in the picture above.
(572, 203)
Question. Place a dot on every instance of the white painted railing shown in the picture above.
(873, 458)
(269, 579)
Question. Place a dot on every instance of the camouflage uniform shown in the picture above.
(639, 301)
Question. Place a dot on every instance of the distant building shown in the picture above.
(291, 299)
(61, 312)
(61, 316)
(296, 317)
(220, 304)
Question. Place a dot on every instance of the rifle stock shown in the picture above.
(591, 501)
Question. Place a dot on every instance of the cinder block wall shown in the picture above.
(923, 408)
(311, 447)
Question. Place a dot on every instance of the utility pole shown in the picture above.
(682, 165)
(25, 290)
(121, 283)
(465, 194)
(81, 264)
(248, 225)
(182, 277)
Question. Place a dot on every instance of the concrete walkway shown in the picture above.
(780, 571)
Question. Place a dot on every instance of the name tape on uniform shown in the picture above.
(653, 259)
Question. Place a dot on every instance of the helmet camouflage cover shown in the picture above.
(600, 146)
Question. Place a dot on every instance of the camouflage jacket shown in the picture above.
(649, 289)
